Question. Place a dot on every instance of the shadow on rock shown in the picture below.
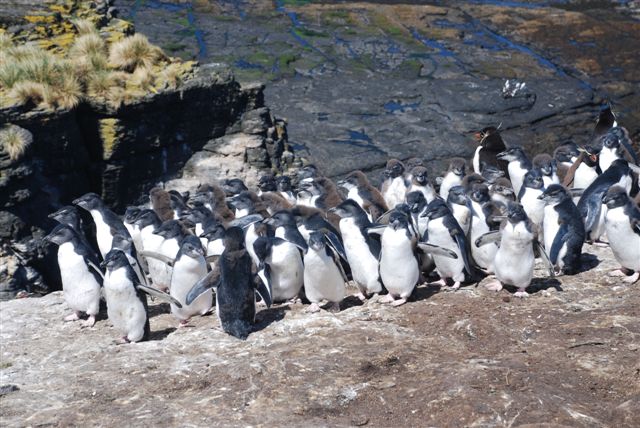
(350, 302)
(161, 334)
(155, 310)
(539, 284)
(423, 293)
(267, 316)
(588, 261)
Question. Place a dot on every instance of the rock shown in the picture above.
(368, 364)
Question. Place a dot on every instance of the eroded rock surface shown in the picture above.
(568, 355)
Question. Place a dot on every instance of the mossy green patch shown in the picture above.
(307, 32)
(109, 130)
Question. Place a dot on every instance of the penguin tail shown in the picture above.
(238, 328)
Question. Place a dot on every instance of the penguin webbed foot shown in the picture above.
(388, 298)
(89, 322)
(622, 272)
(632, 278)
(399, 302)
(122, 341)
(313, 308)
(75, 316)
(494, 285)
(521, 292)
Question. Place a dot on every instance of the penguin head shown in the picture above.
(412, 163)
(316, 241)
(65, 215)
(416, 201)
(213, 232)
(503, 187)
(546, 164)
(592, 154)
(394, 169)
(307, 171)
(436, 209)
(420, 175)
(234, 239)
(479, 193)
(611, 141)
(471, 180)
(282, 218)
(490, 138)
(60, 235)
(457, 196)
(615, 197)
(458, 166)
(147, 218)
(348, 209)
(195, 215)
(233, 186)
(353, 180)
(554, 194)
(512, 154)
(192, 247)
(267, 183)
(566, 152)
(242, 201)
(490, 172)
(310, 186)
(177, 196)
(516, 213)
(131, 214)
(114, 259)
(533, 179)
(89, 201)
(169, 229)
(398, 220)
(283, 183)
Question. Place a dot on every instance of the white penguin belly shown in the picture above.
(287, 271)
(249, 239)
(322, 278)
(550, 227)
(125, 310)
(398, 265)
(514, 259)
(624, 243)
(158, 272)
(476, 160)
(584, 176)
(364, 266)
(533, 206)
(103, 233)
(516, 175)
(395, 193)
(485, 254)
(449, 180)
(80, 289)
(549, 180)
(186, 272)
(427, 191)
(463, 215)
(446, 267)
(606, 158)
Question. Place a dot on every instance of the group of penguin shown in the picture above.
(284, 242)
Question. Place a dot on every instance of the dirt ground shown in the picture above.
(568, 355)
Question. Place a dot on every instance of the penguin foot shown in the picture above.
(90, 322)
(494, 285)
(122, 341)
(617, 273)
(599, 243)
(442, 282)
(333, 307)
(361, 296)
(183, 323)
(72, 317)
(455, 286)
(313, 308)
(399, 302)
(521, 293)
(386, 299)
(632, 278)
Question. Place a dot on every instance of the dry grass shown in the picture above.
(84, 27)
(29, 93)
(133, 52)
(170, 77)
(5, 42)
(15, 140)
(141, 80)
(86, 46)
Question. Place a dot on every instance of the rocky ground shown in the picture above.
(568, 355)
(364, 81)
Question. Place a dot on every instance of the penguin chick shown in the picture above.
(622, 225)
(501, 192)
(368, 197)
(419, 181)
(548, 167)
(189, 267)
(394, 186)
(215, 199)
(324, 278)
(518, 166)
(491, 173)
(81, 279)
(453, 176)
(160, 201)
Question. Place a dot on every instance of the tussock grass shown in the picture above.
(84, 27)
(87, 45)
(15, 140)
(29, 93)
(5, 42)
(133, 52)
(170, 77)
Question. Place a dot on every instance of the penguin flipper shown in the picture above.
(95, 268)
(210, 280)
(262, 283)
(376, 229)
(335, 244)
(212, 259)
(439, 251)
(462, 245)
(164, 259)
(154, 292)
(384, 218)
(487, 238)
(558, 240)
(337, 258)
(576, 193)
(593, 214)
(545, 257)
(245, 221)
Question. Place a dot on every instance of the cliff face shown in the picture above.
(118, 153)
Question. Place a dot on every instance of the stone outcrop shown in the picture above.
(568, 355)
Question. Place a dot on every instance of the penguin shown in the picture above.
(236, 285)
(189, 267)
(285, 266)
(548, 167)
(564, 232)
(419, 181)
(518, 165)
(214, 198)
(501, 192)
(394, 186)
(213, 234)
(81, 279)
(417, 204)
(125, 244)
(247, 202)
(515, 259)
(470, 180)
(399, 269)
(622, 225)
(266, 183)
(585, 169)
(160, 273)
(368, 197)
(565, 155)
(323, 193)
(172, 233)
(490, 144)
(104, 219)
(482, 212)
(491, 173)
(129, 218)
(160, 201)
(285, 189)
(444, 231)
(285, 227)
(69, 216)
(460, 206)
(532, 187)
(233, 186)
(614, 143)
(324, 278)
(127, 299)
(179, 202)
(307, 172)
(274, 202)
(590, 203)
(606, 121)
(362, 250)
(200, 218)
(453, 177)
